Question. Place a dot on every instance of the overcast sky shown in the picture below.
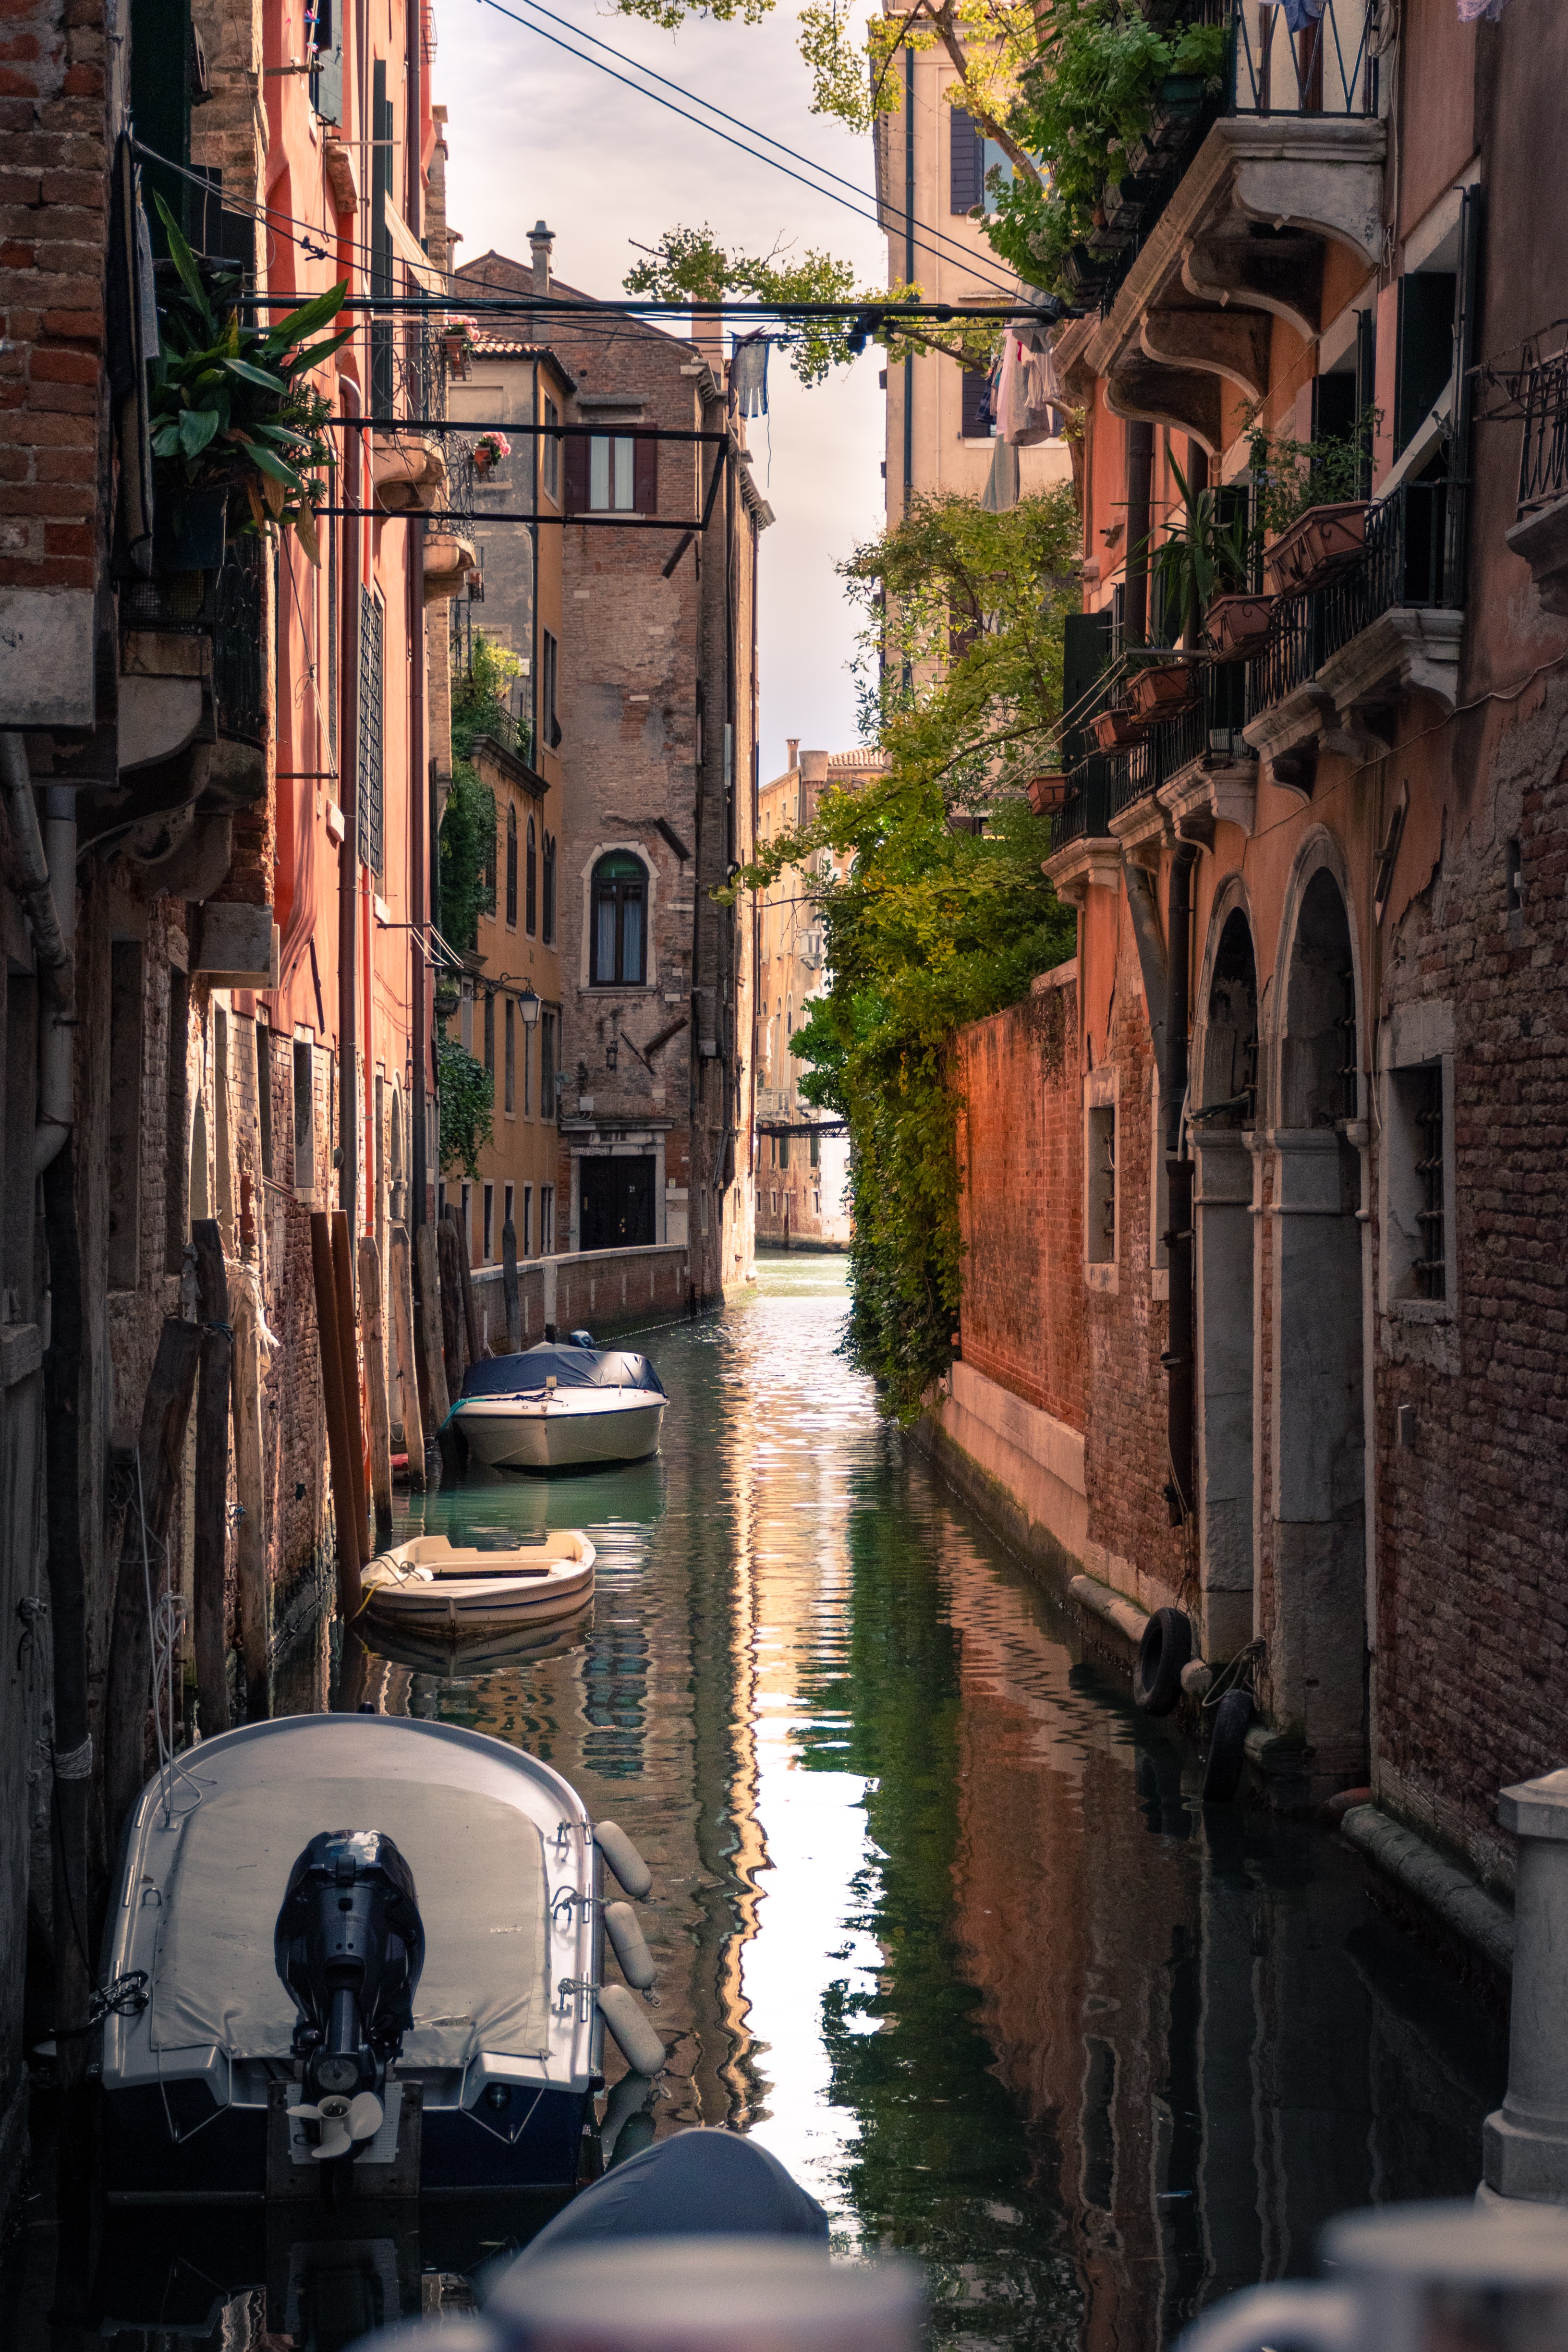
(534, 133)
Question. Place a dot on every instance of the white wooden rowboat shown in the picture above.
(434, 1587)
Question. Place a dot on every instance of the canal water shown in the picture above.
(939, 1918)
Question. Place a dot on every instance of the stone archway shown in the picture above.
(1225, 1114)
(1317, 1671)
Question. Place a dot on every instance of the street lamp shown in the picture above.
(528, 1005)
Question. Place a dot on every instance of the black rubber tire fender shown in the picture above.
(1167, 1646)
(1228, 1748)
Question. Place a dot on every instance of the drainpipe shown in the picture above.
(1179, 1349)
(1140, 523)
(46, 864)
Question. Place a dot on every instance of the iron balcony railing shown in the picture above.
(1329, 67)
(229, 607)
(407, 370)
(1543, 467)
(1414, 557)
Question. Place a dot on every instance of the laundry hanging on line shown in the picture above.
(749, 377)
(1472, 11)
(1300, 14)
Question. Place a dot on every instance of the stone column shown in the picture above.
(1525, 2143)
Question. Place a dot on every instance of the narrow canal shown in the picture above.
(939, 1918)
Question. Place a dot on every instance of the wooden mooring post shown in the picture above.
(410, 1386)
(509, 1290)
(250, 1536)
(210, 1507)
(431, 1353)
(372, 1338)
(350, 1537)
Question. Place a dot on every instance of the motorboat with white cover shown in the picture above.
(560, 1406)
(371, 1951)
(429, 1585)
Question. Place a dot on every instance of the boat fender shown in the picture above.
(624, 1859)
(631, 1950)
(639, 2043)
(1167, 1646)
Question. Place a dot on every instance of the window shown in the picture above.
(525, 1245)
(547, 1221)
(978, 424)
(966, 161)
(1419, 1260)
(1424, 354)
(783, 1151)
(611, 474)
(369, 772)
(507, 1196)
(489, 1220)
(547, 1064)
(511, 1097)
(551, 450)
(549, 677)
(527, 1072)
(548, 888)
(530, 898)
(619, 896)
(304, 1122)
(511, 867)
(816, 1154)
(125, 1112)
(490, 1031)
(1102, 1201)
(492, 861)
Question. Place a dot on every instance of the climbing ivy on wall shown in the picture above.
(942, 915)
(468, 827)
(468, 1104)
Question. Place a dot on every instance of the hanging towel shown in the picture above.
(1001, 492)
(1300, 13)
(1470, 10)
(749, 377)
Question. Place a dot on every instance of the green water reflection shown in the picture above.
(938, 1919)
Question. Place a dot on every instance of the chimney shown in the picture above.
(813, 776)
(792, 745)
(540, 241)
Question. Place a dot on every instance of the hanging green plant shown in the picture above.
(231, 409)
(1206, 553)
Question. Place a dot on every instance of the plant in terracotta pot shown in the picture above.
(457, 344)
(1312, 501)
(232, 414)
(488, 451)
(1114, 731)
(1206, 553)
(1047, 793)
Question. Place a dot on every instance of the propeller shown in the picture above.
(344, 2122)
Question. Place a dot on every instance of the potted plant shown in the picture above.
(1236, 626)
(1319, 548)
(1163, 690)
(232, 414)
(1047, 793)
(446, 996)
(1114, 731)
(1207, 554)
(457, 341)
(488, 451)
(1310, 498)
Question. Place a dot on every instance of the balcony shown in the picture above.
(1540, 534)
(1230, 227)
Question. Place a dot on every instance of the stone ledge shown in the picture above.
(1541, 540)
(1081, 866)
(1111, 1607)
(1438, 1884)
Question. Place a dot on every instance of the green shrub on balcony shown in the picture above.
(1082, 110)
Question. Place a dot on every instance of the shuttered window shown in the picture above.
(530, 883)
(966, 160)
(612, 473)
(370, 768)
(977, 420)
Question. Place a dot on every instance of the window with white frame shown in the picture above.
(1419, 1261)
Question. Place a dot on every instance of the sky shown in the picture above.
(535, 134)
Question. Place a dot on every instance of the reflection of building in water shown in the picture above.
(1210, 2114)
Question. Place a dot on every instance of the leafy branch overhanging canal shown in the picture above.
(942, 915)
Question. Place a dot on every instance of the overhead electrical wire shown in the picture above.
(960, 253)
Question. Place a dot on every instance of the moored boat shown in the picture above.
(429, 1585)
(560, 1406)
(370, 1953)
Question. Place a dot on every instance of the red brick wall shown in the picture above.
(52, 191)
(1021, 1209)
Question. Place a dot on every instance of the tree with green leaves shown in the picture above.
(468, 825)
(942, 915)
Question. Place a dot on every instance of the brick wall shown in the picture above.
(1021, 1209)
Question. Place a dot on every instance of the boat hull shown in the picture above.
(561, 1433)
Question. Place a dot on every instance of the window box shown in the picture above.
(1318, 548)
(1163, 691)
(1176, 104)
(1236, 626)
(1047, 793)
(1114, 731)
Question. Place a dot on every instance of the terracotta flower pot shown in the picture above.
(1237, 626)
(1114, 731)
(1320, 547)
(1047, 793)
(483, 460)
(1163, 690)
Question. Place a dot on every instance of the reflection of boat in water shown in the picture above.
(371, 1952)
(560, 1407)
(430, 1585)
(454, 1657)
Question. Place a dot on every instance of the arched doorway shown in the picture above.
(1317, 1667)
(1226, 1111)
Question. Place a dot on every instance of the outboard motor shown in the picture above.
(582, 1339)
(349, 1945)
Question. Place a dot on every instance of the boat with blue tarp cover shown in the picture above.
(561, 1405)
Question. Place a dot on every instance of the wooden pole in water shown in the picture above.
(350, 1555)
(348, 1349)
(155, 1478)
(210, 1508)
(431, 1359)
(466, 1291)
(410, 1383)
(509, 1289)
(250, 1544)
(374, 1339)
(450, 1250)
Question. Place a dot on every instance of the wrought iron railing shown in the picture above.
(1082, 814)
(1329, 66)
(239, 641)
(1544, 466)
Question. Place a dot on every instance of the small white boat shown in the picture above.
(431, 1586)
(560, 1407)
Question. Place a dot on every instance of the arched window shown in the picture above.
(530, 899)
(548, 888)
(511, 865)
(620, 903)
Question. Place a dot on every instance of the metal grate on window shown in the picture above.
(370, 746)
(1431, 1268)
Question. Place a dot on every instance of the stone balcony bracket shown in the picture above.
(1542, 539)
(1348, 709)
(1082, 865)
(1204, 796)
(1242, 239)
(1144, 831)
